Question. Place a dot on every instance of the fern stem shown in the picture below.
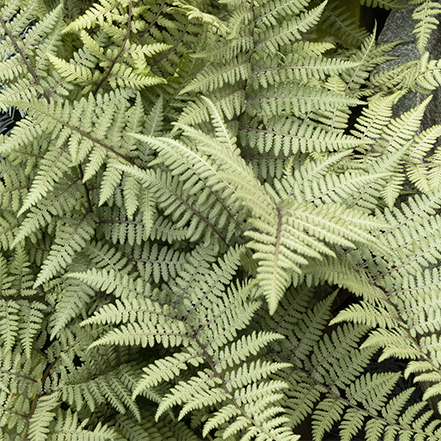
(17, 374)
(121, 51)
(86, 189)
(37, 397)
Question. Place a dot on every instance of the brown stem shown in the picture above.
(86, 188)
(126, 37)
(37, 397)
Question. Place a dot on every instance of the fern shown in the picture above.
(214, 225)
(427, 22)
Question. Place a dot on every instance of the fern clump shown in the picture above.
(186, 204)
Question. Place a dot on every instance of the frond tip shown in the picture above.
(427, 22)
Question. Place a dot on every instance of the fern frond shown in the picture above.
(342, 25)
(370, 55)
(423, 74)
(283, 245)
(300, 68)
(53, 167)
(31, 321)
(290, 136)
(112, 383)
(71, 237)
(375, 117)
(140, 310)
(230, 103)
(230, 48)
(123, 76)
(158, 263)
(22, 134)
(372, 316)
(11, 68)
(386, 4)
(325, 367)
(429, 73)
(425, 14)
(246, 386)
(143, 334)
(104, 256)
(144, 429)
(119, 228)
(176, 155)
(113, 282)
(394, 143)
(276, 101)
(212, 78)
(244, 347)
(341, 273)
(267, 168)
(131, 189)
(43, 416)
(76, 73)
(353, 189)
(9, 322)
(75, 297)
(40, 216)
(269, 12)
(111, 178)
(165, 189)
(238, 313)
(13, 186)
(21, 316)
(194, 268)
(93, 16)
(166, 369)
(9, 10)
(68, 425)
(165, 230)
(271, 39)
(404, 347)
(8, 227)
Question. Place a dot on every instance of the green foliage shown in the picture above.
(213, 225)
(425, 14)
